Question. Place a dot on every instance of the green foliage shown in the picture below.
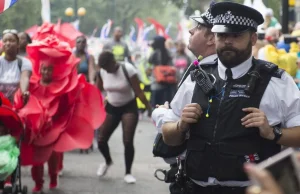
(12, 19)
(28, 13)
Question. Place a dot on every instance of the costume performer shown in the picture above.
(61, 113)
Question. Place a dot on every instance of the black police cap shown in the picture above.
(205, 19)
(234, 18)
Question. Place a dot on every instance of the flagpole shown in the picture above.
(76, 8)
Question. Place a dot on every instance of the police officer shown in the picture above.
(253, 109)
(201, 43)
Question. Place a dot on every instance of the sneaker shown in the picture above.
(103, 169)
(61, 173)
(129, 179)
(7, 188)
(38, 189)
(53, 183)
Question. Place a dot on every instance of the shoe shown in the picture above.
(103, 169)
(129, 179)
(7, 189)
(38, 189)
(61, 173)
(53, 182)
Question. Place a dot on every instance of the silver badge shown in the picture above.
(228, 15)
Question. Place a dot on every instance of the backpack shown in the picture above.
(20, 63)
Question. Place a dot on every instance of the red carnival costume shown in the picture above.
(60, 116)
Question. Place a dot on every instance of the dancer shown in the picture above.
(54, 114)
(121, 83)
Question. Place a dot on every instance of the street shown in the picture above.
(80, 169)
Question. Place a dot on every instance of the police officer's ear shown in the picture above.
(253, 37)
(210, 37)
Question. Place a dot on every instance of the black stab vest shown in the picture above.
(219, 145)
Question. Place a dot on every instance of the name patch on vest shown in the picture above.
(238, 91)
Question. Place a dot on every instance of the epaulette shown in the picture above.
(269, 67)
(214, 62)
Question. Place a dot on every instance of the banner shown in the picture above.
(140, 26)
(46, 11)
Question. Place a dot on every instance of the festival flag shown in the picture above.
(106, 29)
(46, 10)
(160, 30)
(147, 30)
(140, 27)
(180, 32)
(169, 27)
(5, 4)
(132, 34)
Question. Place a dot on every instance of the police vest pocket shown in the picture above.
(230, 168)
(196, 163)
(196, 166)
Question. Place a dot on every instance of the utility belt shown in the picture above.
(223, 161)
(193, 188)
(176, 176)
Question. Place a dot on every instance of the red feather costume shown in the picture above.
(62, 115)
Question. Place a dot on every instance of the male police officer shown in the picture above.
(252, 110)
(201, 43)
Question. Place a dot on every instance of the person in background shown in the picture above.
(24, 41)
(271, 37)
(270, 20)
(122, 85)
(118, 47)
(160, 93)
(297, 77)
(87, 62)
(15, 71)
(171, 47)
(142, 65)
(56, 89)
(181, 60)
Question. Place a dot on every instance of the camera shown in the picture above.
(288, 39)
(261, 36)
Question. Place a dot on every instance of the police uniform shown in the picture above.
(184, 85)
(218, 144)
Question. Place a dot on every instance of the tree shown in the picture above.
(12, 19)
(27, 13)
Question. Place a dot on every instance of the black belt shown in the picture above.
(197, 189)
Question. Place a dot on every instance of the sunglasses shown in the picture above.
(12, 31)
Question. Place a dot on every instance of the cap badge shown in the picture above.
(228, 15)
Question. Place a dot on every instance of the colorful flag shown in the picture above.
(46, 11)
(160, 30)
(106, 29)
(5, 4)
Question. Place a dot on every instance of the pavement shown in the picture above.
(79, 175)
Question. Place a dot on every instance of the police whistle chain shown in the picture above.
(254, 76)
(203, 79)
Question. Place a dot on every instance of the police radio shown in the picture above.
(254, 77)
(204, 80)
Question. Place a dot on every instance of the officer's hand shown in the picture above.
(190, 114)
(267, 183)
(257, 118)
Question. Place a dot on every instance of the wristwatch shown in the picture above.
(277, 133)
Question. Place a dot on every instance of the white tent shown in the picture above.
(248, 3)
(260, 6)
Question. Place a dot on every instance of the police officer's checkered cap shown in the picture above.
(229, 18)
(208, 17)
